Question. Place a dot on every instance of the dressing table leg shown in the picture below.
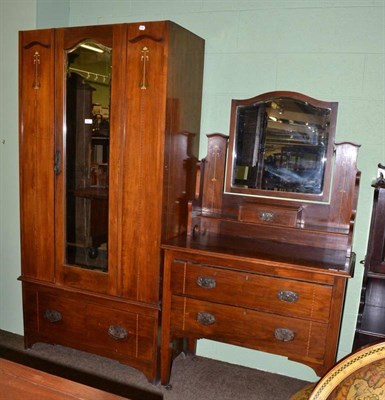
(165, 347)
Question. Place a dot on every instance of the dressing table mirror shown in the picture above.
(281, 142)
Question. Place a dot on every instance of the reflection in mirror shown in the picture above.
(282, 144)
(88, 86)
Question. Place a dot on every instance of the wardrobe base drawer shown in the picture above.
(99, 329)
(116, 330)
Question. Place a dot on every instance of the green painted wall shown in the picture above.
(331, 50)
(14, 15)
(52, 13)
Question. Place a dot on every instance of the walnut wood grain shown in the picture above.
(86, 321)
(36, 154)
(253, 291)
(246, 306)
(257, 270)
(250, 328)
(153, 141)
(19, 381)
(72, 374)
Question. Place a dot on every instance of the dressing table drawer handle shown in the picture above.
(117, 332)
(266, 216)
(206, 282)
(52, 315)
(205, 318)
(284, 335)
(288, 296)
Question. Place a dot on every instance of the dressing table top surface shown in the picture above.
(269, 252)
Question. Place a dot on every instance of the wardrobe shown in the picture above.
(109, 136)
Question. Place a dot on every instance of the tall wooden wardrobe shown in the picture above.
(109, 133)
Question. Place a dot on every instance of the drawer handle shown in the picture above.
(206, 282)
(52, 315)
(205, 318)
(266, 216)
(284, 335)
(287, 296)
(117, 332)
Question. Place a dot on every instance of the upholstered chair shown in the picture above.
(360, 375)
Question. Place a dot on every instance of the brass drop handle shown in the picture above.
(284, 334)
(117, 332)
(266, 216)
(205, 318)
(52, 315)
(206, 282)
(288, 296)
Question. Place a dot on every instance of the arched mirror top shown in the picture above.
(281, 145)
(91, 60)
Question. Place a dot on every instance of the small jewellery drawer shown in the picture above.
(95, 328)
(267, 214)
(260, 292)
(235, 325)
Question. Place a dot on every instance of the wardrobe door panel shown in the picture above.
(142, 156)
(88, 132)
(36, 152)
(183, 110)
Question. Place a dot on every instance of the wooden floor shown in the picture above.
(20, 373)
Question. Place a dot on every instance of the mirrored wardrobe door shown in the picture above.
(88, 88)
(86, 138)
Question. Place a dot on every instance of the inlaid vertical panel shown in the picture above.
(36, 89)
(142, 160)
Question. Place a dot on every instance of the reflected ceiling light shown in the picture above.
(92, 48)
(276, 106)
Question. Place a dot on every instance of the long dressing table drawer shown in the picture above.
(259, 292)
(236, 325)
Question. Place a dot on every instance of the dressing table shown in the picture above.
(268, 249)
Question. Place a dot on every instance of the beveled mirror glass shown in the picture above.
(281, 142)
(88, 86)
